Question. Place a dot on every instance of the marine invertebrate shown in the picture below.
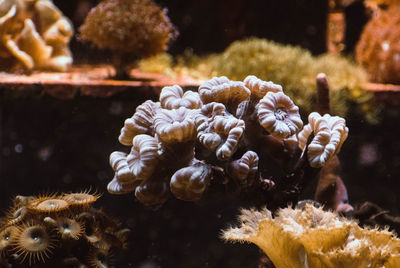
(230, 132)
(139, 28)
(35, 35)
(34, 242)
(292, 67)
(278, 115)
(312, 237)
(378, 49)
(54, 227)
(329, 134)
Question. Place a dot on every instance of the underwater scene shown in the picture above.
(164, 133)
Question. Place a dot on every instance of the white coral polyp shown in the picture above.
(140, 123)
(259, 87)
(173, 97)
(329, 134)
(143, 157)
(189, 183)
(124, 180)
(175, 125)
(279, 115)
(222, 90)
(219, 131)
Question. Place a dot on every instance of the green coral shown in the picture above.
(292, 67)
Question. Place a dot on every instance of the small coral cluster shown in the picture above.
(58, 231)
(187, 140)
(312, 237)
(34, 34)
(378, 49)
(128, 27)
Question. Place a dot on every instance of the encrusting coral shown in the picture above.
(239, 134)
(138, 28)
(57, 230)
(312, 237)
(34, 35)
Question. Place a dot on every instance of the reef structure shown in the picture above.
(312, 237)
(244, 135)
(34, 35)
(59, 231)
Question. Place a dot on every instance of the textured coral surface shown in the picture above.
(239, 134)
(62, 230)
(378, 49)
(311, 237)
(34, 35)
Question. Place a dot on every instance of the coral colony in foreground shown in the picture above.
(58, 231)
(311, 237)
(34, 35)
(247, 136)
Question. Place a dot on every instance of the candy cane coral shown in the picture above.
(233, 132)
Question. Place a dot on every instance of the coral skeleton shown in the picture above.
(57, 230)
(245, 135)
(312, 237)
(34, 35)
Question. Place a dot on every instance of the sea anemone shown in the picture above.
(7, 237)
(48, 204)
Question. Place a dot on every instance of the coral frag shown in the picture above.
(229, 132)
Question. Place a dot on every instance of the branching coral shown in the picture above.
(378, 49)
(230, 132)
(35, 35)
(138, 27)
(53, 226)
(311, 237)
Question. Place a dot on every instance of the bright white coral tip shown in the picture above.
(259, 87)
(172, 97)
(278, 115)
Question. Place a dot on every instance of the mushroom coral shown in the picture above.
(35, 35)
(44, 231)
(312, 237)
(234, 133)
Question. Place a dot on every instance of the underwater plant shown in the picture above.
(378, 49)
(34, 35)
(247, 136)
(129, 28)
(312, 237)
(59, 230)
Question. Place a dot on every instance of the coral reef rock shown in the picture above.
(312, 237)
(34, 34)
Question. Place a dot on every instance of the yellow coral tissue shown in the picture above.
(313, 238)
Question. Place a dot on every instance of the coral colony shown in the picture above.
(58, 231)
(138, 28)
(247, 136)
(34, 35)
(312, 237)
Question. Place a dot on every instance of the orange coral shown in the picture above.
(378, 49)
